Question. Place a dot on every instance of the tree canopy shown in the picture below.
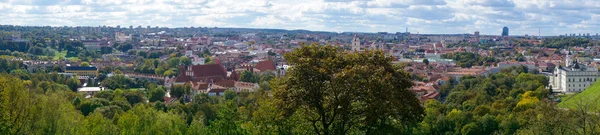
(338, 91)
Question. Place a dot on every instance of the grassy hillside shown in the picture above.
(590, 97)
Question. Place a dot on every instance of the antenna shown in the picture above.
(539, 32)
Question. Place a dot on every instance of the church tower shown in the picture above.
(568, 59)
(356, 44)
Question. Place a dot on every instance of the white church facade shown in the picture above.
(572, 78)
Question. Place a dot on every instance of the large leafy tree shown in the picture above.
(180, 90)
(339, 92)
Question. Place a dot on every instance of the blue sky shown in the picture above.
(553, 17)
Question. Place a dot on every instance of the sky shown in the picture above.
(533, 17)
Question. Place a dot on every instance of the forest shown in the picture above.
(326, 92)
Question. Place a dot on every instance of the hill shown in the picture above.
(589, 98)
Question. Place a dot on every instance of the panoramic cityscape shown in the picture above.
(470, 67)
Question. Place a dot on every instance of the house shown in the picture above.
(206, 73)
(265, 66)
(245, 86)
(89, 91)
(216, 90)
(82, 71)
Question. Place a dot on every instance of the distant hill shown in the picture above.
(590, 98)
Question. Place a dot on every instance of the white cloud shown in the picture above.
(423, 16)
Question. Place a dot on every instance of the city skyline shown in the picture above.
(548, 18)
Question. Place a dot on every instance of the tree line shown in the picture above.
(326, 92)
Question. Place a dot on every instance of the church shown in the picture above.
(573, 77)
(357, 47)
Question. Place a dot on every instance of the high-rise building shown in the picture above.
(505, 31)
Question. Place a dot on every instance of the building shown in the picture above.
(122, 37)
(265, 66)
(356, 44)
(505, 31)
(82, 71)
(89, 91)
(477, 38)
(574, 77)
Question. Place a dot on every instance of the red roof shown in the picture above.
(265, 65)
(209, 70)
(225, 83)
(182, 78)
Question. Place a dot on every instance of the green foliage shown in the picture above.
(118, 81)
(564, 42)
(144, 120)
(229, 95)
(227, 121)
(426, 61)
(156, 93)
(468, 59)
(588, 99)
(339, 91)
(185, 60)
(248, 76)
(84, 64)
(73, 84)
(178, 91)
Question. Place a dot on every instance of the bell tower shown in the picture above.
(568, 61)
(356, 44)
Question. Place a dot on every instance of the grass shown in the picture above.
(589, 97)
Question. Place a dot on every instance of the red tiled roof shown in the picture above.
(182, 78)
(266, 65)
(209, 70)
(225, 83)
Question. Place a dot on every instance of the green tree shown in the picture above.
(134, 96)
(118, 81)
(339, 91)
(248, 76)
(230, 95)
(472, 129)
(96, 124)
(426, 61)
(179, 91)
(227, 121)
(157, 94)
(73, 84)
(84, 64)
(185, 60)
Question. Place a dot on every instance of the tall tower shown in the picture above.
(477, 36)
(356, 44)
(505, 31)
(568, 59)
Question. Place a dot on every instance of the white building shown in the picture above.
(575, 77)
(122, 37)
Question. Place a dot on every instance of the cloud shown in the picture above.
(423, 16)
